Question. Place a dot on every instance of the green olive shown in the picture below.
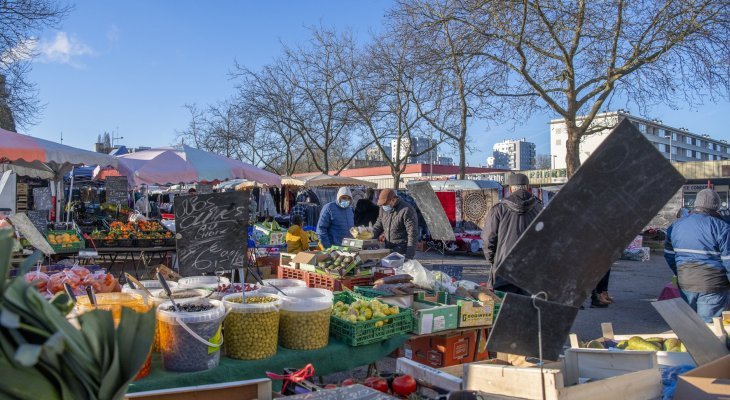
(304, 330)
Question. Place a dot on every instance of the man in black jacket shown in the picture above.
(366, 212)
(505, 223)
(397, 224)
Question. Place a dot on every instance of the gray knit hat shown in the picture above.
(518, 180)
(707, 199)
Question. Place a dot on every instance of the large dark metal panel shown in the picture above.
(516, 328)
(571, 244)
(432, 210)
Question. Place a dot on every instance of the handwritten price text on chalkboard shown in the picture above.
(211, 232)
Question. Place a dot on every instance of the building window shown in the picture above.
(688, 140)
(674, 149)
(642, 127)
(688, 153)
(674, 135)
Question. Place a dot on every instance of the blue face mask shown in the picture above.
(387, 208)
(344, 203)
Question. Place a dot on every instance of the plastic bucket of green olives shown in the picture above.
(268, 286)
(251, 327)
(190, 339)
(304, 318)
(159, 296)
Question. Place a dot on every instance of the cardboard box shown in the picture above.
(378, 254)
(475, 313)
(365, 244)
(710, 381)
(285, 259)
(307, 260)
(443, 350)
(434, 317)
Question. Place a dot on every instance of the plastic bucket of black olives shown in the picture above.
(251, 327)
(304, 318)
(270, 285)
(190, 339)
(159, 296)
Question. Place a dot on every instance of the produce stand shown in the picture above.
(136, 254)
(336, 357)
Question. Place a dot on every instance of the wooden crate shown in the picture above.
(611, 375)
(240, 390)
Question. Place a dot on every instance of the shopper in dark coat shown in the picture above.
(366, 212)
(505, 223)
(397, 223)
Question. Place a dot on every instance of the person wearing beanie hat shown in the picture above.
(397, 224)
(336, 219)
(505, 223)
(697, 249)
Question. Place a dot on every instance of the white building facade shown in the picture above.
(515, 154)
(676, 144)
(413, 149)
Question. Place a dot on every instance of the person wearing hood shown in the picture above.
(697, 249)
(336, 219)
(505, 223)
(397, 224)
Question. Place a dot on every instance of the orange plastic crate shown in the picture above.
(336, 284)
(291, 273)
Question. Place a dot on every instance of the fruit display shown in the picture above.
(77, 277)
(122, 230)
(639, 343)
(150, 226)
(344, 264)
(181, 351)
(365, 310)
(362, 232)
(251, 328)
(62, 238)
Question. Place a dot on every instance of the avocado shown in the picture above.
(672, 345)
(622, 344)
(595, 344)
(638, 343)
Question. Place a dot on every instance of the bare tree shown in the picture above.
(543, 161)
(20, 24)
(267, 97)
(384, 91)
(325, 119)
(448, 55)
(222, 129)
(576, 55)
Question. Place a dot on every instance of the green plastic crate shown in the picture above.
(365, 332)
(67, 247)
(369, 292)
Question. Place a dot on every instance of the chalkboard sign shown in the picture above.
(42, 198)
(211, 232)
(117, 190)
(39, 218)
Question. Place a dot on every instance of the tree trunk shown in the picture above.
(572, 147)
(396, 179)
(462, 157)
(7, 121)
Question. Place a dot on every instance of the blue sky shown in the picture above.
(131, 66)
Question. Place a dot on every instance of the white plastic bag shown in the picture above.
(443, 282)
(421, 276)
(137, 217)
(468, 285)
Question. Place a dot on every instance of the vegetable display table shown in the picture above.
(336, 357)
(138, 255)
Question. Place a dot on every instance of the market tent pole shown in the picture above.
(70, 196)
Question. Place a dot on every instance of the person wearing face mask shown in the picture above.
(397, 224)
(336, 219)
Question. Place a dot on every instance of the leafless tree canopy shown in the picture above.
(438, 65)
(576, 55)
(20, 23)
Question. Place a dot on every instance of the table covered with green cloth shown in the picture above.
(336, 357)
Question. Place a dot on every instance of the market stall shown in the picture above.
(30, 156)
